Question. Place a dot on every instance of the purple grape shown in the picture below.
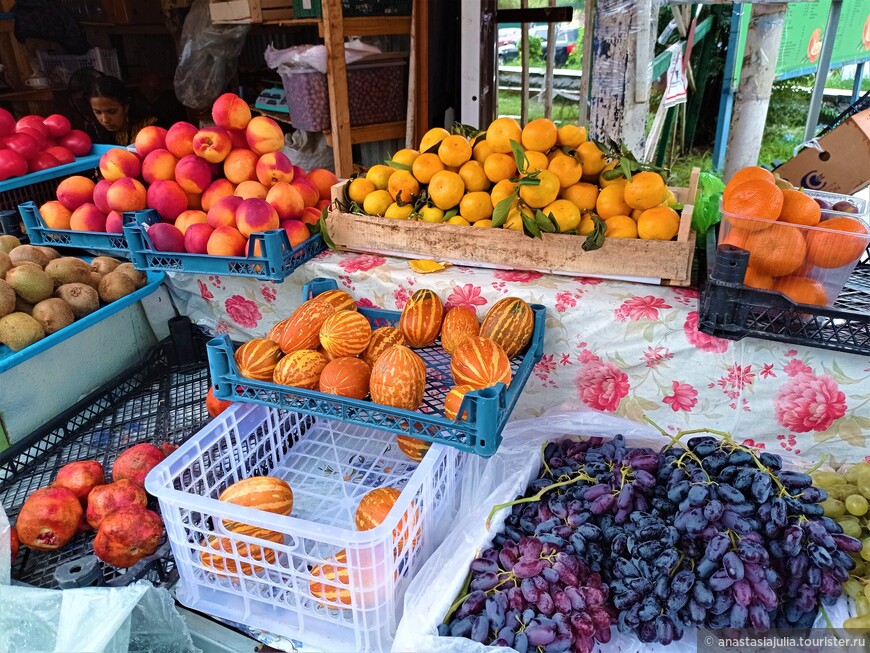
(516, 598)
(483, 565)
(739, 616)
(702, 595)
(530, 547)
(794, 480)
(602, 504)
(461, 627)
(805, 601)
(759, 617)
(592, 493)
(582, 624)
(480, 629)
(847, 543)
(495, 611)
(507, 558)
(567, 577)
(717, 547)
(550, 575)
(713, 510)
(742, 592)
(830, 587)
(761, 487)
(546, 604)
(722, 603)
(819, 535)
(733, 566)
(819, 556)
(485, 581)
(507, 635)
(720, 581)
(473, 604)
(521, 643)
(490, 553)
(540, 634)
(529, 592)
(561, 644)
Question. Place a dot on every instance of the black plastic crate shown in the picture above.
(729, 310)
(161, 399)
(376, 7)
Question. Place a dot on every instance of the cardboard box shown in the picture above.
(250, 11)
(840, 165)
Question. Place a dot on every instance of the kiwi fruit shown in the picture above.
(30, 253)
(68, 269)
(19, 330)
(50, 252)
(30, 284)
(53, 314)
(5, 264)
(95, 280)
(104, 264)
(7, 299)
(8, 243)
(139, 278)
(82, 299)
(115, 285)
(22, 306)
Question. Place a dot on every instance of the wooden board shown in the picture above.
(250, 11)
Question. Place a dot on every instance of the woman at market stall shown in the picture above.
(117, 118)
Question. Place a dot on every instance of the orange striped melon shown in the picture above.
(332, 579)
(421, 318)
(453, 401)
(339, 299)
(382, 339)
(300, 369)
(345, 333)
(374, 507)
(257, 359)
(223, 565)
(346, 377)
(398, 379)
(509, 323)
(412, 447)
(459, 323)
(276, 333)
(302, 330)
(265, 493)
(329, 357)
(480, 363)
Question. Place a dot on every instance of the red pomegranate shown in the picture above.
(166, 448)
(128, 535)
(13, 542)
(81, 477)
(215, 406)
(49, 518)
(135, 463)
(106, 499)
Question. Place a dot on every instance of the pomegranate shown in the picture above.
(166, 448)
(32, 122)
(49, 518)
(42, 161)
(81, 477)
(106, 499)
(128, 535)
(135, 463)
(35, 134)
(13, 543)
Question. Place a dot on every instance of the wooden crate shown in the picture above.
(647, 261)
(250, 11)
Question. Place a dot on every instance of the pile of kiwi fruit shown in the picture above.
(41, 292)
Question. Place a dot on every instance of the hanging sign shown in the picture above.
(676, 83)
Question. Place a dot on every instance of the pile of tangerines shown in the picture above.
(533, 178)
(791, 244)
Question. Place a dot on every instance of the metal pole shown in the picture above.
(822, 71)
(856, 87)
(551, 63)
(726, 99)
(524, 45)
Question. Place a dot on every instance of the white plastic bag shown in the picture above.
(314, 56)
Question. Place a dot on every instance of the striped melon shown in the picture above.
(276, 333)
(459, 323)
(480, 363)
(453, 401)
(420, 322)
(265, 493)
(257, 359)
(345, 333)
(382, 339)
(398, 379)
(412, 447)
(509, 323)
(340, 300)
(332, 580)
(300, 369)
(374, 508)
(223, 565)
(346, 377)
(302, 330)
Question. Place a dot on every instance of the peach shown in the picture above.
(72, 192)
(231, 112)
(194, 201)
(179, 139)
(55, 215)
(212, 144)
(256, 215)
(99, 198)
(311, 215)
(323, 180)
(149, 139)
(297, 232)
(196, 238)
(237, 136)
(159, 164)
(126, 195)
(321, 204)
(273, 167)
(264, 135)
(240, 165)
(193, 174)
(167, 198)
(309, 192)
(165, 237)
(216, 190)
(286, 200)
(114, 223)
(118, 163)
(223, 212)
(248, 189)
(188, 218)
(226, 241)
(87, 218)
(299, 172)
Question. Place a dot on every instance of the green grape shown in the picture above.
(827, 480)
(851, 528)
(857, 505)
(864, 486)
(867, 591)
(833, 508)
(860, 624)
(865, 549)
(862, 606)
(855, 471)
(853, 588)
(860, 567)
(841, 491)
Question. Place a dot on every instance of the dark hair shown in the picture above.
(110, 87)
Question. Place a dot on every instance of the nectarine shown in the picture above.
(254, 216)
(240, 165)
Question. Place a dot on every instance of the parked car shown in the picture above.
(566, 41)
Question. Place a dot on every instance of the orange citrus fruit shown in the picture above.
(433, 136)
(499, 166)
(425, 166)
(586, 225)
(359, 188)
(501, 190)
(397, 212)
(755, 279)
(645, 190)
(592, 160)
(380, 175)
(582, 194)
(406, 157)
(833, 250)
(571, 135)
(802, 290)
(536, 161)
(475, 206)
(473, 176)
(778, 250)
(658, 223)
(566, 215)
(539, 196)
(754, 198)
(799, 208)
(403, 185)
(481, 151)
(446, 189)
(620, 226)
(610, 202)
(454, 150)
(501, 132)
(377, 202)
(604, 183)
(567, 169)
(752, 172)
(539, 135)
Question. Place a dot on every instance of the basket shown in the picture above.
(352, 8)
(279, 260)
(330, 466)
(60, 67)
(488, 409)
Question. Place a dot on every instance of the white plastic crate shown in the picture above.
(330, 466)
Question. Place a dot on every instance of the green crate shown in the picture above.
(354, 8)
(306, 9)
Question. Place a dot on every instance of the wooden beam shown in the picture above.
(371, 26)
(385, 131)
(421, 65)
(539, 15)
(336, 79)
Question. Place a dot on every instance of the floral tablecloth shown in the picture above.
(613, 346)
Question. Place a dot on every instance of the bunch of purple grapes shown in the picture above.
(531, 595)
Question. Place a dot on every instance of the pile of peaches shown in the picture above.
(212, 187)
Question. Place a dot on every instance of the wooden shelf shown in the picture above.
(385, 131)
(33, 94)
(374, 25)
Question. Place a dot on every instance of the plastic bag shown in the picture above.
(314, 56)
(309, 150)
(209, 57)
(706, 213)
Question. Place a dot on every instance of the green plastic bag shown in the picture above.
(706, 213)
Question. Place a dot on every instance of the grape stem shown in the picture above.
(463, 594)
(538, 496)
(544, 458)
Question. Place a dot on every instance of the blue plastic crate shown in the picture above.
(488, 409)
(279, 261)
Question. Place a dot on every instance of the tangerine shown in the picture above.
(475, 206)
(778, 250)
(658, 223)
(406, 157)
(433, 137)
(501, 190)
(486, 223)
(586, 225)
(480, 151)
(432, 214)
(377, 202)
(751, 172)
(604, 183)
(620, 226)
(802, 290)
(359, 188)
(403, 185)
(582, 194)
(755, 279)
(754, 198)
(567, 169)
(474, 177)
(397, 212)
(799, 208)
(592, 159)
(544, 193)
(446, 189)
(459, 221)
(380, 175)
(610, 202)
(539, 135)
(829, 250)
(501, 132)
(571, 135)
(454, 150)
(514, 220)
(536, 161)
(499, 166)
(565, 213)
(645, 190)
(425, 166)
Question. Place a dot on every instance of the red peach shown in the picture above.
(193, 174)
(237, 136)
(188, 218)
(212, 144)
(62, 154)
(240, 165)
(167, 198)
(248, 189)
(323, 180)
(309, 192)
(321, 204)
(297, 232)
(311, 215)
(273, 167)
(264, 135)
(194, 201)
(72, 192)
(159, 164)
(87, 218)
(226, 241)
(217, 189)
(149, 139)
(114, 223)
(256, 215)
(286, 200)
(165, 237)
(231, 112)
(118, 163)
(299, 172)
(100, 192)
(179, 139)
(223, 212)
(126, 195)
(196, 238)
(55, 215)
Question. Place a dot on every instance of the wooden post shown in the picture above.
(550, 65)
(756, 81)
(336, 78)
(524, 47)
(588, 22)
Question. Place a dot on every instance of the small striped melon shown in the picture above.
(345, 333)
(480, 363)
(300, 369)
(257, 359)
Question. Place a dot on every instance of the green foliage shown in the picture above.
(536, 57)
(575, 59)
